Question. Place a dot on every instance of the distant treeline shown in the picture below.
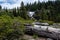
(46, 10)
(43, 10)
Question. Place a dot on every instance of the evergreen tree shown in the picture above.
(23, 12)
(15, 12)
(0, 7)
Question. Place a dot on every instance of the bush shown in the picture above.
(10, 28)
(35, 36)
(46, 21)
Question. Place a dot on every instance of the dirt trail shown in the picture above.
(28, 37)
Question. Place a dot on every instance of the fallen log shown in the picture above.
(40, 32)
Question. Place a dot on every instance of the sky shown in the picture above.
(9, 4)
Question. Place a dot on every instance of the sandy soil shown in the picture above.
(28, 37)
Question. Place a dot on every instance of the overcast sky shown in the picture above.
(15, 3)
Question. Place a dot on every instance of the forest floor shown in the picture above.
(28, 37)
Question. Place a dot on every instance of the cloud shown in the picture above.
(14, 3)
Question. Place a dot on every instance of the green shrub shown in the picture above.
(10, 28)
(35, 36)
(46, 21)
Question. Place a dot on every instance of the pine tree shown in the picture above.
(23, 12)
(0, 7)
